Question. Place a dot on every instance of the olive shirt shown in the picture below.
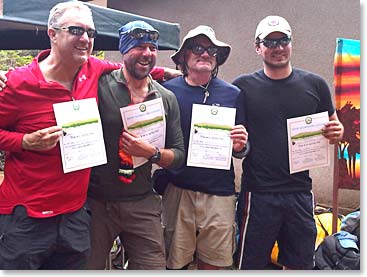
(113, 94)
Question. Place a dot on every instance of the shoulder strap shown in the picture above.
(322, 226)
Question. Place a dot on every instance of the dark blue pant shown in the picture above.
(59, 242)
(283, 217)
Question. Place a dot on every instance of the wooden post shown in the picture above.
(335, 190)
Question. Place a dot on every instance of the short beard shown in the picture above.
(277, 65)
(138, 74)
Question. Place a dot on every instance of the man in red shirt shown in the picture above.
(44, 223)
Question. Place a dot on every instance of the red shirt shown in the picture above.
(35, 179)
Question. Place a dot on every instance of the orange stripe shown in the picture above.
(348, 80)
(341, 100)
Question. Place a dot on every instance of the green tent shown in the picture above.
(24, 26)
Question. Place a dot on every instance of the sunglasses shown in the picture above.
(140, 33)
(274, 43)
(199, 50)
(78, 31)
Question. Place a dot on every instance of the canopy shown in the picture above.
(24, 26)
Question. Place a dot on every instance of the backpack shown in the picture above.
(351, 224)
(324, 223)
(338, 252)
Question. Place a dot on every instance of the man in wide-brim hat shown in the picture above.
(223, 49)
(199, 202)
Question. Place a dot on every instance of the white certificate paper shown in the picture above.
(82, 143)
(308, 148)
(210, 144)
(147, 120)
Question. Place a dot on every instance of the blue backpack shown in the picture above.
(351, 224)
(340, 251)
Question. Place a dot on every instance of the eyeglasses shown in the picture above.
(78, 31)
(140, 33)
(199, 50)
(274, 43)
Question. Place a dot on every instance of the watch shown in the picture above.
(156, 157)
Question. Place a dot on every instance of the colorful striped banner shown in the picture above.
(347, 95)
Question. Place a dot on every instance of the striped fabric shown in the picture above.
(347, 95)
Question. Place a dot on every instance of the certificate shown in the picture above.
(82, 143)
(308, 148)
(147, 120)
(210, 144)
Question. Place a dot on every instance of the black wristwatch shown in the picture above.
(156, 157)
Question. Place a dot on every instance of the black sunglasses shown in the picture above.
(78, 31)
(274, 43)
(139, 33)
(199, 50)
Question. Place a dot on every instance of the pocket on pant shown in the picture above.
(15, 231)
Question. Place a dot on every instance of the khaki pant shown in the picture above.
(200, 223)
(137, 223)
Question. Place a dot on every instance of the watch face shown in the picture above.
(156, 157)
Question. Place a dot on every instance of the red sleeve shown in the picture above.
(157, 73)
(9, 140)
(103, 65)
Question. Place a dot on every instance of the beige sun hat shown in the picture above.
(207, 31)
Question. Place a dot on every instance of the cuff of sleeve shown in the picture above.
(179, 157)
(13, 142)
(243, 153)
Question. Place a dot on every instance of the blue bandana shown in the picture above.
(128, 40)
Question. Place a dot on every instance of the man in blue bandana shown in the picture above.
(120, 196)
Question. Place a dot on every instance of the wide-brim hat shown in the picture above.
(224, 48)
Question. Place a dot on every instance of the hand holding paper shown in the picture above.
(42, 140)
(135, 145)
(333, 131)
(239, 137)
